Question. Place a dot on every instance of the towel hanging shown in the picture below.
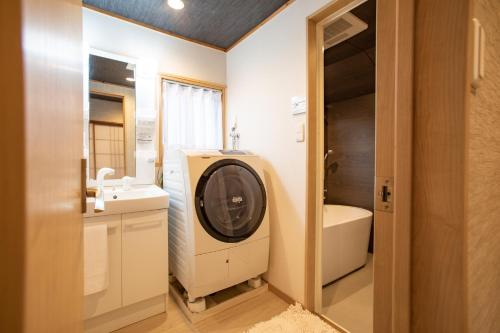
(95, 258)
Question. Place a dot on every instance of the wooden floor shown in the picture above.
(235, 320)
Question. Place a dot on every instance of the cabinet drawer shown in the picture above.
(145, 256)
(248, 260)
(211, 269)
(111, 298)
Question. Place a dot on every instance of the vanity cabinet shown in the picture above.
(145, 255)
(137, 270)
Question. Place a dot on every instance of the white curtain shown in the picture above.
(192, 117)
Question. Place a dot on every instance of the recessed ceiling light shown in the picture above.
(176, 4)
(131, 79)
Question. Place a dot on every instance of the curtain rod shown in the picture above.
(191, 85)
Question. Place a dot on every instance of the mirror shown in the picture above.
(111, 118)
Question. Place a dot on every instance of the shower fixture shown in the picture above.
(328, 153)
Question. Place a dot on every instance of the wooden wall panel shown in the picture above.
(483, 182)
(11, 168)
(437, 265)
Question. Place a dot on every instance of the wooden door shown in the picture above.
(439, 235)
(393, 164)
(41, 148)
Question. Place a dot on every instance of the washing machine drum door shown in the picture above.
(230, 200)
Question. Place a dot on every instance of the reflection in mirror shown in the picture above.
(111, 116)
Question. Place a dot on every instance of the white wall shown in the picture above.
(263, 73)
(170, 54)
(154, 53)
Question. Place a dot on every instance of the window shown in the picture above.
(192, 115)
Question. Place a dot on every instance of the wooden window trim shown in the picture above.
(190, 82)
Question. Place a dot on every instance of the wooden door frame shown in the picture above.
(394, 121)
(190, 82)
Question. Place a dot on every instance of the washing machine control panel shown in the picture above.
(235, 152)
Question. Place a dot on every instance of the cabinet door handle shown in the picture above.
(113, 225)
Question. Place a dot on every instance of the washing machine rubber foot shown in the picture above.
(198, 305)
(255, 282)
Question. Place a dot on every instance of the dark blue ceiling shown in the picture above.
(219, 23)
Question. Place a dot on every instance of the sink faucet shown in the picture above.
(99, 197)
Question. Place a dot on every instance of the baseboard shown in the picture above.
(125, 316)
(332, 323)
(272, 288)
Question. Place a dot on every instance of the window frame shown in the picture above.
(190, 82)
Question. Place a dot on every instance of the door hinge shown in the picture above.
(384, 194)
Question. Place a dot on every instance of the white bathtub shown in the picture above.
(346, 234)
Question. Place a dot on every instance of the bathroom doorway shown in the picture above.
(359, 90)
(349, 168)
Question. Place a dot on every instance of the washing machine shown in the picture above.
(218, 220)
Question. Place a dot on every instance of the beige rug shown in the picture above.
(293, 320)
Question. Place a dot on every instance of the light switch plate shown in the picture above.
(299, 133)
(298, 105)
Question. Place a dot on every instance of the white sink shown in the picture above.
(138, 198)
